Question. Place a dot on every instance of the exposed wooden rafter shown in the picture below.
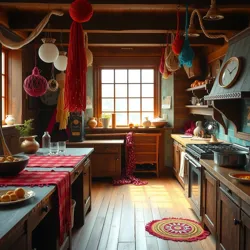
(165, 8)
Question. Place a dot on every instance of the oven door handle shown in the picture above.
(193, 161)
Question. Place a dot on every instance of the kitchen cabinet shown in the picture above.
(245, 232)
(209, 201)
(147, 151)
(106, 158)
(177, 149)
(228, 228)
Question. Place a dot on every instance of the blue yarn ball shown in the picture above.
(187, 55)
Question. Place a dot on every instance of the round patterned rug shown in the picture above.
(177, 229)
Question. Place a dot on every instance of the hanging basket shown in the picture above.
(35, 84)
(53, 85)
(172, 62)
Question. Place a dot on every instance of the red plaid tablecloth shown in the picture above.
(60, 179)
(62, 161)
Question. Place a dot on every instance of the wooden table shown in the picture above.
(18, 222)
(80, 181)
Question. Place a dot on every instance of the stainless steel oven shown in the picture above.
(193, 182)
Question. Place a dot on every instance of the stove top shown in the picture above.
(205, 151)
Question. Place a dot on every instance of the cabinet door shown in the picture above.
(245, 232)
(209, 203)
(87, 185)
(176, 152)
(106, 165)
(228, 228)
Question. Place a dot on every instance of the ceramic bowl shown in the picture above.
(159, 124)
(13, 168)
(243, 178)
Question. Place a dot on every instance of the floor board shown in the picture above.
(119, 215)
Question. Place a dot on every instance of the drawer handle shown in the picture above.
(45, 209)
(229, 192)
(117, 159)
(85, 173)
(237, 222)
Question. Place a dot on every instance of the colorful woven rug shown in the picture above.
(177, 229)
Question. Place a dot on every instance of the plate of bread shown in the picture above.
(11, 196)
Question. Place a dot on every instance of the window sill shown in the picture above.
(10, 126)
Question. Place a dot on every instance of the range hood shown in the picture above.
(239, 46)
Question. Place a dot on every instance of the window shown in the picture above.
(129, 93)
(4, 84)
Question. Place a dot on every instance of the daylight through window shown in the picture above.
(129, 93)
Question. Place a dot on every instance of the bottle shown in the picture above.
(46, 142)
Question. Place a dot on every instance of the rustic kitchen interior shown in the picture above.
(125, 125)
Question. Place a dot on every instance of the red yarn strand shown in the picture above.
(75, 84)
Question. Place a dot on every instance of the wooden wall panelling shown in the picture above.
(217, 54)
(181, 114)
(1, 81)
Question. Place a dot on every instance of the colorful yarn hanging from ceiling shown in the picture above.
(75, 84)
(187, 54)
(178, 40)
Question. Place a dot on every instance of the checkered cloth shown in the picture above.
(54, 161)
(60, 179)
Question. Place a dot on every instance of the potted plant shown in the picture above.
(28, 143)
(105, 120)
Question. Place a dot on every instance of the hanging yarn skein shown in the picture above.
(178, 40)
(187, 54)
(75, 84)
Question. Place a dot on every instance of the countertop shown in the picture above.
(10, 215)
(185, 141)
(221, 173)
(96, 142)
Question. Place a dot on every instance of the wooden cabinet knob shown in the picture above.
(237, 222)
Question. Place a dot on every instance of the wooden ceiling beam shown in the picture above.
(162, 8)
(123, 21)
(150, 31)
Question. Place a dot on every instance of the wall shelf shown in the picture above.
(200, 109)
(203, 86)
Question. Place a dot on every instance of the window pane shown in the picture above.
(121, 104)
(3, 85)
(121, 76)
(150, 116)
(147, 90)
(121, 90)
(107, 76)
(107, 105)
(147, 75)
(134, 76)
(134, 90)
(134, 118)
(3, 109)
(107, 90)
(134, 104)
(147, 104)
(121, 119)
(3, 63)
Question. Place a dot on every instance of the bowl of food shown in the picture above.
(12, 165)
(241, 177)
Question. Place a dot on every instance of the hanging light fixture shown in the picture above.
(192, 32)
(213, 13)
(48, 52)
(62, 60)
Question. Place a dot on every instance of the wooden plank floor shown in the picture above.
(119, 215)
